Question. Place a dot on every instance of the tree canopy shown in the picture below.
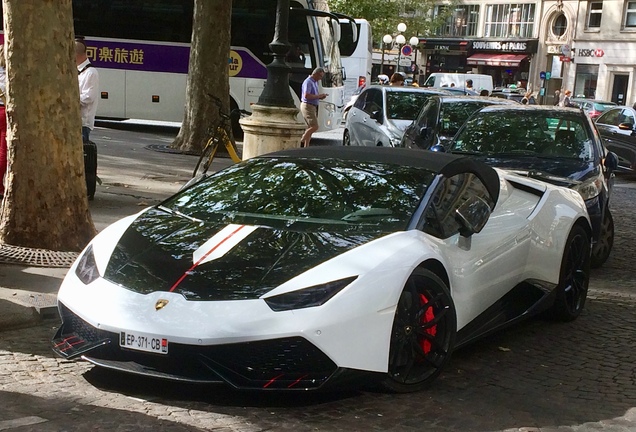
(385, 16)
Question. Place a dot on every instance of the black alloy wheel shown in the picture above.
(601, 250)
(574, 278)
(423, 333)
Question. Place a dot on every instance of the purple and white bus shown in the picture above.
(141, 49)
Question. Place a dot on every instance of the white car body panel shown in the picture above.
(354, 327)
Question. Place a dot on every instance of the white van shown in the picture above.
(446, 79)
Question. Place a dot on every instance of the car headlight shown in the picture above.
(307, 297)
(329, 107)
(590, 188)
(86, 269)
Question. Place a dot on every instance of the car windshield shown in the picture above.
(404, 105)
(454, 115)
(525, 133)
(307, 193)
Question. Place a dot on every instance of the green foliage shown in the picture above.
(384, 16)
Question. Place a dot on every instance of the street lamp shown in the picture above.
(400, 40)
(386, 40)
(414, 41)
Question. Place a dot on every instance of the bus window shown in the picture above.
(356, 55)
(142, 48)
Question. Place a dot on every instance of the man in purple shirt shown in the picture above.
(309, 104)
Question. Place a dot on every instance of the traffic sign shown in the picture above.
(542, 75)
(407, 50)
(548, 75)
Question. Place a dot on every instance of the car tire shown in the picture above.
(346, 138)
(602, 248)
(574, 277)
(423, 333)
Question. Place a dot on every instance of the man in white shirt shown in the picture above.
(88, 87)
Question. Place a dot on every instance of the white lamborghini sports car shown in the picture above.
(306, 268)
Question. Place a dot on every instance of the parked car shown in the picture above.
(514, 96)
(441, 117)
(381, 113)
(617, 127)
(593, 108)
(557, 145)
(461, 91)
(296, 269)
(354, 98)
(443, 79)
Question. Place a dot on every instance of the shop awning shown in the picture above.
(495, 59)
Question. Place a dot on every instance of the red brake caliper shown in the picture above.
(428, 316)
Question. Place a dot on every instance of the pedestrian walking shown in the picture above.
(309, 104)
(89, 88)
(397, 79)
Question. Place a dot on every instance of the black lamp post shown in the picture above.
(276, 91)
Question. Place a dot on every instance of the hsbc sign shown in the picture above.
(590, 52)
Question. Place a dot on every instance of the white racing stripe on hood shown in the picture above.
(221, 243)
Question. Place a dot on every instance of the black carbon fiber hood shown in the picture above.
(156, 254)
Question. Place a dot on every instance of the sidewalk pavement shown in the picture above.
(137, 170)
(133, 177)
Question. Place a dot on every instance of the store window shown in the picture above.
(630, 15)
(510, 20)
(585, 81)
(461, 20)
(594, 14)
(559, 25)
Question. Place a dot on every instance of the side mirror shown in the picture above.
(626, 126)
(472, 216)
(611, 161)
(438, 148)
(335, 30)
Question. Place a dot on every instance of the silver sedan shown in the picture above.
(381, 114)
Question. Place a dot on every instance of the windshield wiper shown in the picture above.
(178, 213)
(515, 153)
(465, 152)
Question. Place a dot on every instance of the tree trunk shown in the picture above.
(45, 205)
(207, 73)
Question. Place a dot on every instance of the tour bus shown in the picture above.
(356, 54)
(141, 50)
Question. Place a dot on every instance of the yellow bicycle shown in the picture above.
(221, 136)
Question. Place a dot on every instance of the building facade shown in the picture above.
(591, 45)
(588, 47)
(486, 37)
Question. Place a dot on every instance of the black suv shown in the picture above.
(556, 145)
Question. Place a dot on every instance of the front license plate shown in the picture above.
(144, 342)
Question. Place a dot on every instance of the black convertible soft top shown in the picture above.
(443, 163)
